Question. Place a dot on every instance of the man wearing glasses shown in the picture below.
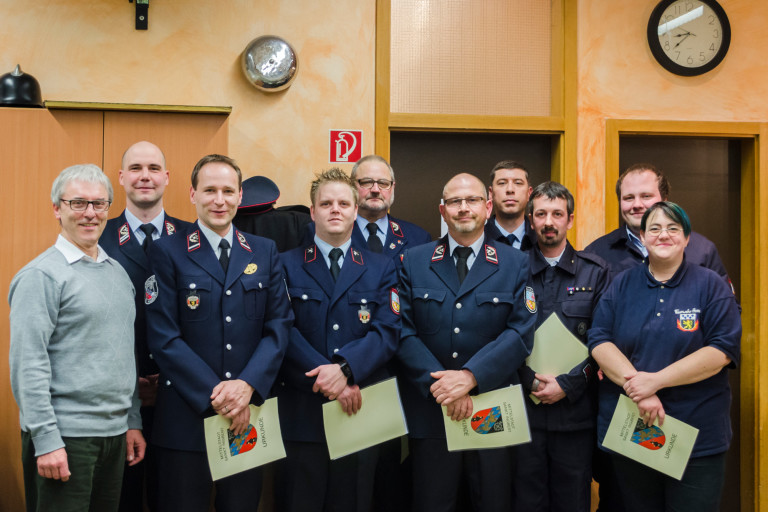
(467, 326)
(127, 238)
(73, 371)
(375, 229)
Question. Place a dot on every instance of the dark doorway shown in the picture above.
(705, 177)
(424, 162)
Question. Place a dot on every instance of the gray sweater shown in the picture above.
(73, 371)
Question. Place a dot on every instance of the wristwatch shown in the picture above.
(345, 369)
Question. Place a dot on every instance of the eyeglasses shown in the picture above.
(80, 205)
(671, 230)
(368, 183)
(455, 202)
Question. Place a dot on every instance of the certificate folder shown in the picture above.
(380, 419)
(261, 443)
(498, 419)
(664, 448)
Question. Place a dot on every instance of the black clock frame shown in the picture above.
(669, 64)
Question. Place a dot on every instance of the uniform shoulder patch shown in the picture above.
(439, 252)
(490, 254)
(169, 228)
(123, 234)
(395, 227)
(150, 290)
(394, 301)
(357, 256)
(193, 241)
(310, 254)
(530, 299)
(243, 242)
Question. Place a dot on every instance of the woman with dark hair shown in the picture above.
(664, 334)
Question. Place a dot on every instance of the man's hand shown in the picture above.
(330, 380)
(350, 399)
(148, 390)
(135, 446)
(54, 465)
(451, 385)
(641, 385)
(460, 409)
(549, 390)
(231, 397)
(241, 421)
(650, 408)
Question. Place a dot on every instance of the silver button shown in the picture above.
(229, 347)
(658, 314)
(167, 383)
(335, 351)
(228, 292)
(455, 355)
(259, 285)
(662, 287)
(335, 327)
(426, 295)
(456, 330)
(661, 300)
(192, 286)
(458, 305)
(495, 300)
(228, 319)
(228, 375)
(363, 301)
(151, 356)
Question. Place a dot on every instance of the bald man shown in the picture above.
(467, 326)
(127, 238)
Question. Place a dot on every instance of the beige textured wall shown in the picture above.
(82, 50)
(618, 78)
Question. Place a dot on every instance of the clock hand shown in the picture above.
(681, 41)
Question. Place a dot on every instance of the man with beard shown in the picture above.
(554, 469)
(468, 322)
(509, 191)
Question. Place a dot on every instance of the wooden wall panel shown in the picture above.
(35, 145)
(184, 139)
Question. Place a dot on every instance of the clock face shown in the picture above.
(689, 37)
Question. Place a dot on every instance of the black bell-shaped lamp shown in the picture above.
(18, 89)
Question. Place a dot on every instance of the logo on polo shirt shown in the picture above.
(688, 319)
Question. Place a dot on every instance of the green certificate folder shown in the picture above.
(665, 449)
(261, 443)
(498, 419)
(379, 419)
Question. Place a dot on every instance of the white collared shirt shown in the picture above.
(73, 253)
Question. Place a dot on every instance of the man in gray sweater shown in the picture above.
(73, 370)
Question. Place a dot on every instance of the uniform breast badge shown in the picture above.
(364, 314)
(250, 269)
(193, 300)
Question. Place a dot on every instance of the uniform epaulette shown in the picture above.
(357, 256)
(243, 242)
(169, 228)
(124, 234)
(310, 254)
(395, 227)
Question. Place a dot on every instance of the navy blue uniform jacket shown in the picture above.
(205, 327)
(120, 243)
(570, 289)
(356, 319)
(484, 325)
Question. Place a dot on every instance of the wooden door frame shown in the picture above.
(753, 453)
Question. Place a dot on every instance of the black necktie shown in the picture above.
(334, 255)
(224, 255)
(374, 242)
(148, 229)
(512, 239)
(462, 255)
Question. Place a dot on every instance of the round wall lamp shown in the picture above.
(269, 63)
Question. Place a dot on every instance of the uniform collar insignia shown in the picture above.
(169, 228)
(310, 254)
(124, 234)
(357, 256)
(395, 227)
(193, 241)
(243, 241)
(490, 254)
(439, 253)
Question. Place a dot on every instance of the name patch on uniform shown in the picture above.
(310, 254)
(364, 314)
(439, 253)
(193, 300)
(357, 257)
(169, 228)
(150, 290)
(394, 301)
(688, 319)
(251, 269)
(490, 255)
(396, 229)
(124, 234)
(243, 242)
(193, 241)
(530, 299)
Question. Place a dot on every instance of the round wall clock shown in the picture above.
(689, 37)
